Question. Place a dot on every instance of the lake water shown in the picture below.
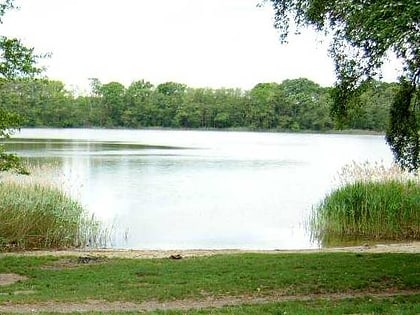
(166, 189)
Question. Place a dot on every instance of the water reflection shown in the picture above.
(192, 189)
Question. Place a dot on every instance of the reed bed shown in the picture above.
(374, 203)
(36, 214)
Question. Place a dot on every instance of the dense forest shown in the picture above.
(298, 104)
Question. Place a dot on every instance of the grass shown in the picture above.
(35, 214)
(370, 210)
(217, 276)
(372, 203)
(368, 305)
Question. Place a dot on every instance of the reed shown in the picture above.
(371, 207)
(35, 214)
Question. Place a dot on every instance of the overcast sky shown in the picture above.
(202, 43)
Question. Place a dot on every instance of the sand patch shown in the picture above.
(91, 254)
(183, 305)
(74, 262)
(10, 278)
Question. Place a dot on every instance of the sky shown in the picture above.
(201, 43)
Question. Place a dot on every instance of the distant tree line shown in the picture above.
(298, 104)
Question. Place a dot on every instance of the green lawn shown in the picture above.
(255, 275)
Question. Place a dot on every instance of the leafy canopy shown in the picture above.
(364, 35)
(16, 62)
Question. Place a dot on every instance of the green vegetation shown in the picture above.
(37, 217)
(17, 62)
(291, 105)
(387, 210)
(36, 214)
(364, 34)
(372, 202)
(70, 279)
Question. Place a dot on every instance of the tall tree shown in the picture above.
(16, 61)
(307, 104)
(113, 103)
(265, 99)
(137, 99)
(364, 34)
(169, 98)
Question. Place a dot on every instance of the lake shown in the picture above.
(177, 189)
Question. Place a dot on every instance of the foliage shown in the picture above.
(9, 121)
(298, 104)
(371, 111)
(11, 162)
(4, 6)
(16, 61)
(35, 214)
(364, 34)
(403, 133)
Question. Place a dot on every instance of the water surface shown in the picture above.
(166, 189)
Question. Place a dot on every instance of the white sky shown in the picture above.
(202, 43)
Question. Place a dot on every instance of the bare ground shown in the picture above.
(411, 247)
(183, 305)
(10, 278)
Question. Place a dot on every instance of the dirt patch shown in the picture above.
(183, 305)
(10, 278)
(74, 262)
(20, 292)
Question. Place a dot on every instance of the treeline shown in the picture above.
(291, 105)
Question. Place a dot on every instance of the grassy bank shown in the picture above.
(372, 203)
(36, 214)
(248, 277)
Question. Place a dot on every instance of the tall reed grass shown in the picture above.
(36, 214)
(373, 203)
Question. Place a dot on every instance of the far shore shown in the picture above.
(361, 132)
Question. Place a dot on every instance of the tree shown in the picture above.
(169, 98)
(372, 109)
(137, 99)
(16, 61)
(113, 103)
(365, 33)
(265, 99)
(307, 104)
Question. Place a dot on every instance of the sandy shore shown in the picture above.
(411, 247)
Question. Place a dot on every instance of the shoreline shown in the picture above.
(408, 247)
(350, 132)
